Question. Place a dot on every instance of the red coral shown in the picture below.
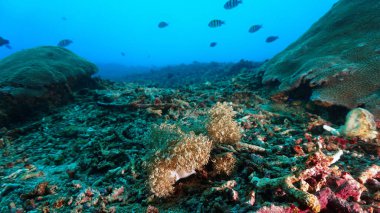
(350, 188)
(157, 101)
(298, 149)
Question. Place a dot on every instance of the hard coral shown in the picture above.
(221, 126)
(38, 79)
(178, 159)
(337, 59)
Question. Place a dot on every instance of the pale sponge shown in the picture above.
(221, 126)
(359, 123)
(178, 159)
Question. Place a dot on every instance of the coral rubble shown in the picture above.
(211, 148)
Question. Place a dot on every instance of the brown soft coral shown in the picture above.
(221, 126)
(223, 164)
(178, 159)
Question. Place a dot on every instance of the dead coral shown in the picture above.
(316, 167)
(370, 173)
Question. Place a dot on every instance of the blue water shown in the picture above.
(101, 30)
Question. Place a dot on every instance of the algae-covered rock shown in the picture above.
(338, 58)
(38, 79)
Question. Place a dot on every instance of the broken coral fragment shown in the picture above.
(370, 173)
(359, 123)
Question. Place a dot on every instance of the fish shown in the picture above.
(231, 4)
(271, 39)
(162, 24)
(213, 44)
(122, 53)
(215, 23)
(255, 28)
(64, 43)
(5, 42)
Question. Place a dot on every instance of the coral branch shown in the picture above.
(317, 165)
(134, 105)
(369, 173)
(251, 147)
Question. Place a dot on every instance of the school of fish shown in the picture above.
(214, 23)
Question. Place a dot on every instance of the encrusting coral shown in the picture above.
(178, 159)
(359, 123)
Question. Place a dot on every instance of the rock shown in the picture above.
(39, 79)
(336, 62)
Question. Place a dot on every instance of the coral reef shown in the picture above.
(105, 152)
(359, 123)
(336, 62)
(38, 79)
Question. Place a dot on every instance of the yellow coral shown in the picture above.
(179, 159)
(359, 123)
(221, 126)
(224, 164)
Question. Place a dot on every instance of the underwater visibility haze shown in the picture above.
(190, 106)
(102, 30)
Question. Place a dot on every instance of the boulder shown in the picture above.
(39, 79)
(336, 62)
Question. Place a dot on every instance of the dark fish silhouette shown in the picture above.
(162, 24)
(64, 18)
(213, 44)
(231, 4)
(122, 53)
(215, 23)
(271, 39)
(5, 42)
(255, 28)
(64, 43)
